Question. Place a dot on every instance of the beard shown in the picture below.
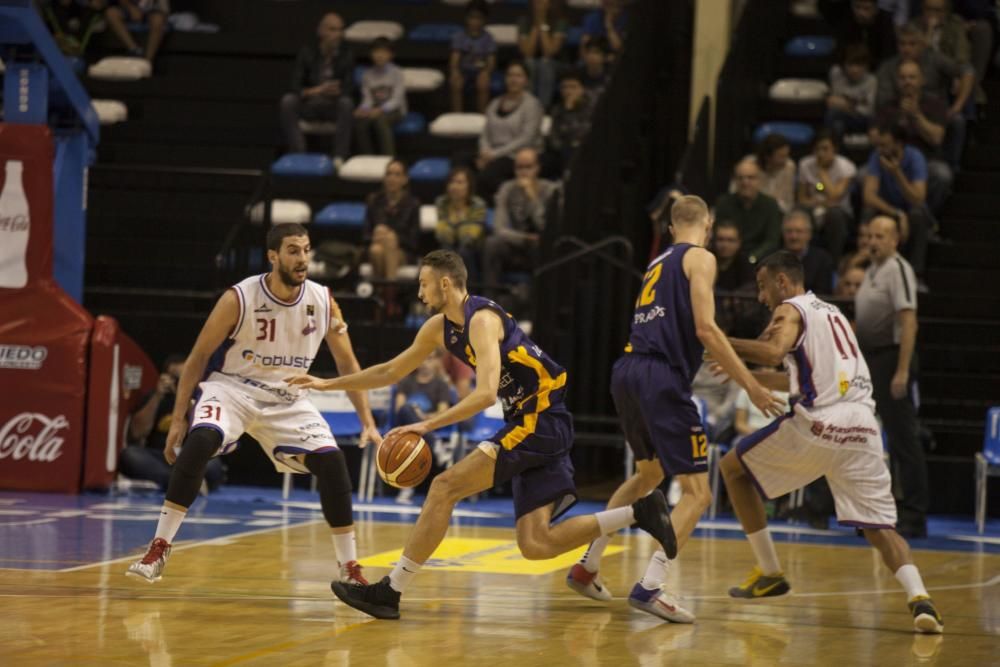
(288, 278)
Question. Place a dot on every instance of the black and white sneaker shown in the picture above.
(378, 600)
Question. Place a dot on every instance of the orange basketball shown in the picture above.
(404, 461)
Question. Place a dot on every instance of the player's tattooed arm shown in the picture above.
(783, 333)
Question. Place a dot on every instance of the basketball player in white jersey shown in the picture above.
(831, 431)
(260, 331)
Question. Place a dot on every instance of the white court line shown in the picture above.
(387, 509)
(17, 512)
(30, 522)
(974, 538)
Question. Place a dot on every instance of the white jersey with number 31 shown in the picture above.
(825, 366)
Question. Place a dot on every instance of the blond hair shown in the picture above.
(688, 210)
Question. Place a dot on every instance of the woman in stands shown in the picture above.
(392, 228)
(461, 224)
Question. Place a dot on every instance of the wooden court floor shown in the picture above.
(264, 599)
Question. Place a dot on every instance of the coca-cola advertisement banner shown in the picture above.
(26, 205)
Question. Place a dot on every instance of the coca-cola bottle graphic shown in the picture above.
(15, 223)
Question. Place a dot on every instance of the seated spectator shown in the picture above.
(747, 418)
(849, 282)
(595, 74)
(610, 22)
(825, 179)
(143, 458)
(519, 221)
(979, 17)
(719, 395)
(540, 39)
(473, 59)
(513, 122)
(756, 214)
(817, 264)
(461, 219)
(922, 116)
(774, 157)
(851, 103)
(570, 123)
(421, 395)
(72, 23)
(860, 257)
(861, 22)
(153, 13)
(896, 186)
(940, 75)
(392, 228)
(735, 272)
(321, 88)
(946, 32)
(383, 101)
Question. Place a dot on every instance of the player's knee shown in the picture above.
(444, 488)
(531, 547)
(696, 487)
(730, 466)
(650, 475)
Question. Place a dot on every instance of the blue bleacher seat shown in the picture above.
(412, 123)
(430, 169)
(809, 46)
(433, 32)
(798, 134)
(574, 35)
(987, 464)
(303, 164)
(489, 219)
(359, 71)
(497, 84)
(341, 214)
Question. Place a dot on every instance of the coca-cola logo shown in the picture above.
(32, 436)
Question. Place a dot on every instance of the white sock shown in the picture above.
(763, 551)
(591, 560)
(611, 521)
(169, 523)
(401, 575)
(656, 571)
(909, 578)
(345, 546)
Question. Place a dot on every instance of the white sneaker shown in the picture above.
(150, 567)
(659, 602)
(350, 573)
(587, 583)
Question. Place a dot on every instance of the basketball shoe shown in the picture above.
(659, 602)
(350, 573)
(759, 585)
(926, 618)
(150, 567)
(653, 515)
(378, 600)
(587, 583)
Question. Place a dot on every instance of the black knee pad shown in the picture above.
(334, 484)
(189, 469)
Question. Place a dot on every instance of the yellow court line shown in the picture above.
(277, 648)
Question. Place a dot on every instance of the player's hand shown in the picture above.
(369, 434)
(310, 382)
(419, 428)
(900, 381)
(718, 371)
(175, 436)
(766, 402)
(166, 384)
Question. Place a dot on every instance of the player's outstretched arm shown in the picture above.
(339, 342)
(699, 265)
(429, 338)
(782, 333)
(775, 380)
(220, 324)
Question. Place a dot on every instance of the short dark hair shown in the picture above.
(381, 43)
(785, 262)
(825, 134)
(768, 145)
(517, 63)
(478, 6)
(571, 74)
(728, 224)
(893, 128)
(278, 233)
(175, 358)
(857, 54)
(470, 178)
(449, 263)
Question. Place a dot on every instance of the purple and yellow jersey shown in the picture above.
(663, 324)
(530, 381)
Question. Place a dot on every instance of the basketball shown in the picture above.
(403, 461)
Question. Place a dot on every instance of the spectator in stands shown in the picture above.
(817, 264)
(922, 116)
(570, 123)
(595, 69)
(719, 395)
(861, 22)
(521, 204)
(147, 433)
(886, 315)
(610, 22)
(851, 103)
(777, 177)
(153, 13)
(72, 23)
(540, 39)
(513, 122)
(849, 282)
(383, 101)
(321, 88)
(860, 257)
(420, 395)
(756, 214)
(825, 179)
(980, 18)
(896, 186)
(940, 75)
(473, 59)
(461, 219)
(392, 228)
(948, 33)
(735, 272)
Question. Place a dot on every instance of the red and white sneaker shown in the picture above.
(350, 573)
(150, 567)
(659, 602)
(587, 583)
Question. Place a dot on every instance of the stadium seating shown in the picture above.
(303, 164)
(342, 215)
